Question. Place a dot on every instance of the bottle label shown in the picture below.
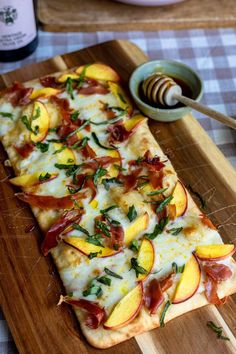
(17, 24)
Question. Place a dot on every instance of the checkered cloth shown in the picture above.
(211, 52)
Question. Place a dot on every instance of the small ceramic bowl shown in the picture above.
(174, 69)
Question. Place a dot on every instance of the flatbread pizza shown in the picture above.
(132, 248)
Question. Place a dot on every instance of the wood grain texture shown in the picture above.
(103, 15)
(30, 286)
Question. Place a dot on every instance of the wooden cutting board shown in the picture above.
(103, 15)
(29, 283)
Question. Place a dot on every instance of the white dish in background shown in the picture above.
(150, 2)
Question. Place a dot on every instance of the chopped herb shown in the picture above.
(137, 268)
(72, 189)
(162, 317)
(107, 181)
(37, 113)
(119, 168)
(69, 87)
(93, 290)
(70, 169)
(104, 211)
(6, 115)
(80, 228)
(96, 140)
(163, 204)
(104, 280)
(159, 191)
(134, 246)
(70, 294)
(112, 274)
(52, 130)
(87, 122)
(82, 76)
(142, 184)
(74, 116)
(122, 98)
(100, 172)
(104, 228)
(59, 150)
(95, 239)
(26, 122)
(44, 177)
(43, 147)
(94, 254)
(198, 195)
(139, 160)
(54, 140)
(178, 269)
(132, 213)
(175, 230)
(217, 330)
(158, 229)
(80, 144)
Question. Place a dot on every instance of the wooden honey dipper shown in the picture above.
(161, 89)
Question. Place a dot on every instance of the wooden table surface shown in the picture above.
(29, 283)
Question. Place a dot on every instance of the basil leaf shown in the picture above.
(106, 182)
(69, 87)
(104, 228)
(162, 317)
(43, 147)
(104, 211)
(132, 213)
(134, 246)
(80, 228)
(82, 76)
(104, 280)
(80, 144)
(95, 240)
(72, 189)
(108, 121)
(93, 290)
(158, 229)
(26, 122)
(87, 122)
(93, 254)
(175, 230)
(60, 150)
(6, 115)
(178, 269)
(44, 177)
(137, 268)
(74, 116)
(139, 160)
(159, 191)
(217, 330)
(37, 113)
(52, 130)
(112, 274)
(122, 98)
(163, 204)
(96, 140)
(100, 172)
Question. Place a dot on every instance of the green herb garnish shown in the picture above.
(93, 254)
(44, 177)
(80, 144)
(60, 150)
(93, 290)
(106, 182)
(69, 87)
(217, 330)
(112, 274)
(6, 115)
(104, 280)
(82, 76)
(96, 140)
(163, 204)
(104, 211)
(87, 122)
(80, 228)
(132, 213)
(52, 130)
(26, 122)
(37, 114)
(159, 191)
(137, 268)
(74, 116)
(122, 98)
(175, 230)
(178, 269)
(134, 246)
(95, 239)
(43, 147)
(162, 317)
(103, 227)
(158, 229)
(100, 172)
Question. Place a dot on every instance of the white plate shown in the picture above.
(150, 2)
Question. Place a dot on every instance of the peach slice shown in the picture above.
(189, 281)
(123, 100)
(99, 71)
(44, 92)
(65, 155)
(146, 257)
(134, 122)
(64, 77)
(87, 248)
(31, 179)
(112, 170)
(180, 199)
(140, 224)
(40, 121)
(215, 252)
(126, 310)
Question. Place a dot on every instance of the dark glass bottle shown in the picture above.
(18, 29)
